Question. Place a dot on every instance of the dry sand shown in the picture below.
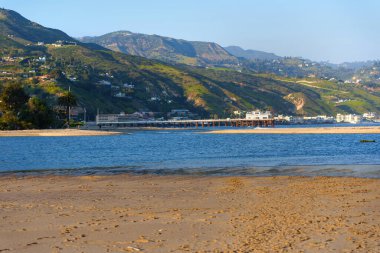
(189, 214)
(81, 132)
(311, 130)
(56, 132)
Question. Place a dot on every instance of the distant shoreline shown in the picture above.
(56, 132)
(81, 132)
(116, 131)
(311, 130)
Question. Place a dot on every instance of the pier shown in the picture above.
(116, 120)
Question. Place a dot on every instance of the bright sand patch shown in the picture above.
(56, 132)
(311, 130)
(189, 214)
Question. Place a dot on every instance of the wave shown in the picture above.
(366, 171)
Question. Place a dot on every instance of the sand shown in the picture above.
(82, 132)
(311, 130)
(127, 213)
(56, 132)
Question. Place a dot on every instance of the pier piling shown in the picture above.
(111, 120)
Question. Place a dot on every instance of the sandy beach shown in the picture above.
(56, 132)
(311, 130)
(82, 132)
(127, 213)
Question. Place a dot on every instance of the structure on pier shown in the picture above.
(116, 120)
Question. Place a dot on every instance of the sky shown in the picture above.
(321, 30)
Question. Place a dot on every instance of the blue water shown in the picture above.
(190, 152)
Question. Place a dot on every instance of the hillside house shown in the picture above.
(104, 82)
(369, 115)
(120, 95)
(128, 86)
(348, 118)
(259, 115)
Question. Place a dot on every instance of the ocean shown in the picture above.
(190, 152)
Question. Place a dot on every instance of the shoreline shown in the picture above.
(125, 213)
(80, 132)
(321, 170)
(120, 131)
(57, 133)
(306, 130)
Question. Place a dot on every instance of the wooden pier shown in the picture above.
(114, 121)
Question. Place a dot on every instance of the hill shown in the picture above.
(369, 76)
(15, 26)
(164, 48)
(113, 81)
(209, 54)
(251, 54)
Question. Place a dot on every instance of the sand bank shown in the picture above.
(56, 132)
(189, 214)
(311, 130)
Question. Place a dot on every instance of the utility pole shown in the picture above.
(97, 114)
(84, 118)
(69, 111)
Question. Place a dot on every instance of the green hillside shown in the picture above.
(16, 26)
(213, 55)
(164, 48)
(113, 82)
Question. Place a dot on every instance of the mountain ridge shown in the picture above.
(250, 54)
(211, 54)
(164, 48)
(26, 29)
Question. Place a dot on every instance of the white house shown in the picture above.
(348, 118)
(128, 86)
(155, 99)
(104, 82)
(120, 95)
(369, 115)
(258, 115)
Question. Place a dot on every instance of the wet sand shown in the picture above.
(311, 130)
(189, 214)
(56, 132)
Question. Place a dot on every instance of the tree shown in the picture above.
(39, 114)
(13, 98)
(13, 101)
(19, 111)
(9, 121)
(67, 100)
(56, 74)
(35, 80)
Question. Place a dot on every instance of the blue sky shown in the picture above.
(331, 30)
